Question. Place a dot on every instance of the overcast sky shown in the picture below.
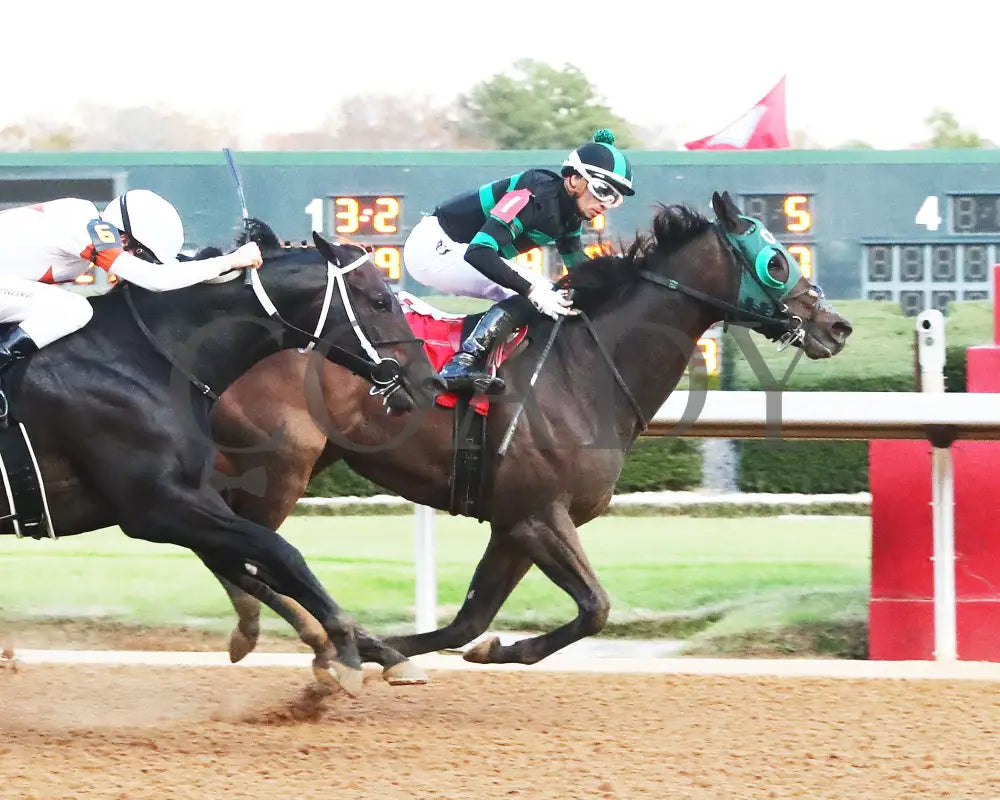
(868, 70)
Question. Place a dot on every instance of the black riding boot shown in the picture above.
(467, 369)
(15, 344)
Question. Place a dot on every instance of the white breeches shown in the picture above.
(434, 259)
(45, 312)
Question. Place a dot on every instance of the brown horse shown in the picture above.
(600, 383)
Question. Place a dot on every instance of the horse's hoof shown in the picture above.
(347, 678)
(480, 654)
(240, 645)
(405, 673)
(328, 683)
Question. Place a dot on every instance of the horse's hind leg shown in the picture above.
(397, 669)
(499, 571)
(250, 556)
(243, 638)
(553, 544)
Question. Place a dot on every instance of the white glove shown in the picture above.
(550, 302)
(247, 255)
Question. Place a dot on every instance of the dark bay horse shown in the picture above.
(118, 413)
(598, 387)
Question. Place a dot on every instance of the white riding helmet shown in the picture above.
(149, 220)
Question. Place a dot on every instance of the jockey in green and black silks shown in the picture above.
(469, 244)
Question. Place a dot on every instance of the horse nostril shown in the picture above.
(842, 329)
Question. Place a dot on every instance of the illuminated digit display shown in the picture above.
(790, 218)
(781, 213)
(532, 259)
(804, 255)
(599, 249)
(798, 218)
(389, 259)
(367, 215)
(710, 351)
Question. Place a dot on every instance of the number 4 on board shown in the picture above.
(928, 215)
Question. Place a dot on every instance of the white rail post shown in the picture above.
(930, 357)
(425, 606)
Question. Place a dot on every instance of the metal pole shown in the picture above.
(426, 570)
(930, 357)
(945, 600)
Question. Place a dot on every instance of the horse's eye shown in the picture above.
(382, 302)
(777, 267)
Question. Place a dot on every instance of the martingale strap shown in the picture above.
(640, 417)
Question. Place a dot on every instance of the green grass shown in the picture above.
(665, 576)
(882, 344)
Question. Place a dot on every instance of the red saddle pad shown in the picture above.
(442, 335)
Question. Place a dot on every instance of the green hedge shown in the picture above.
(339, 480)
(657, 465)
(822, 467)
(806, 467)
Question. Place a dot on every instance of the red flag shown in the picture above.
(761, 128)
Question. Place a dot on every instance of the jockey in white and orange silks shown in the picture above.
(137, 237)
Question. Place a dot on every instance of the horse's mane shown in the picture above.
(255, 230)
(600, 279)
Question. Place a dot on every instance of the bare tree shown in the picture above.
(36, 134)
(380, 122)
(148, 128)
(106, 128)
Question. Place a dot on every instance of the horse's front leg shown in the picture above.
(499, 571)
(553, 544)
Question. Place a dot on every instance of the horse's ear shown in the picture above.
(723, 207)
(728, 213)
(718, 205)
(325, 248)
(731, 204)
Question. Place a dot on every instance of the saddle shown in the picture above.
(443, 334)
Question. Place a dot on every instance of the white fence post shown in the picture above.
(426, 569)
(930, 358)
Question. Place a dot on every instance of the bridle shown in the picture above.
(785, 328)
(385, 374)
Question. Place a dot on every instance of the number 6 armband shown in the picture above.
(104, 236)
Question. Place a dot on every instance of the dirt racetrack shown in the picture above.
(237, 732)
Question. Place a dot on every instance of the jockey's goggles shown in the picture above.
(605, 191)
